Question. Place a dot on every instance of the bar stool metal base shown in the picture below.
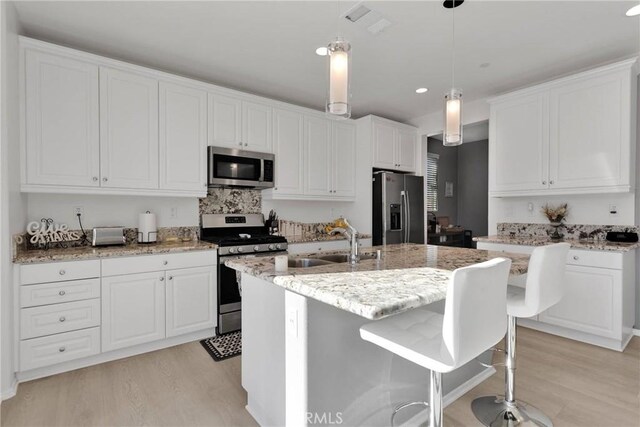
(494, 411)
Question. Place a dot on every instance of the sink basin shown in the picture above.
(338, 258)
(307, 262)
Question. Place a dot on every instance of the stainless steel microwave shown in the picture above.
(230, 167)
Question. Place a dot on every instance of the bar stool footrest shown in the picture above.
(494, 411)
(404, 406)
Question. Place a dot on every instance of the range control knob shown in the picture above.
(240, 250)
(272, 247)
(256, 248)
(232, 250)
(279, 246)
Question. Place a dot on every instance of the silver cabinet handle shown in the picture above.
(551, 182)
(62, 272)
(61, 293)
(165, 262)
(576, 257)
(105, 179)
(95, 178)
(240, 144)
(544, 182)
(162, 279)
(62, 319)
(170, 277)
(275, 188)
(61, 349)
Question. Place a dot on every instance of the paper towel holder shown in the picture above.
(150, 236)
(141, 236)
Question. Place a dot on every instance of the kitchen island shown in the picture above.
(303, 361)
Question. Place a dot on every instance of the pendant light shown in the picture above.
(452, 134)
(339, 92)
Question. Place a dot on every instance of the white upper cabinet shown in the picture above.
(519, 144)
(343, 150)
(317, 155)
(256, 127)
(61, 135)
(394, 145)
(288, 147)
(128, 129)
(225, 121)
(589, 132)
(183, 138)
(570, 136)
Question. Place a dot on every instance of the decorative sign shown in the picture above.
(46, 231)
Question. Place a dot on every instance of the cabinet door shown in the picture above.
(384, 146)
(518, 144)
(287, 144)
(191, 300)
(256, 126)
(588, 119)
(344, 159)
(592, 302)
(225, 121)
(133, 309)
(183, 138)
(61, 118)
(406, 146)
(128, 130)
(317, 153)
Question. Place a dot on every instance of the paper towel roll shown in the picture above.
(147, 228)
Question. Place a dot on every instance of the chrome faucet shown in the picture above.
(354, 240)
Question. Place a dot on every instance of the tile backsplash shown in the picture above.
(231, 201)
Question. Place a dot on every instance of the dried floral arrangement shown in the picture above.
(555, 214)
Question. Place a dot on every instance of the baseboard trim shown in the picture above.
(466, 386)
(636, 332)
(10, 391)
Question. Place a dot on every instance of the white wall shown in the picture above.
(12, 203)
(101, 210)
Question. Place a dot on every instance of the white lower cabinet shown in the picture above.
(598, 306)
(191, 300)
(45, 351)
(133, 308)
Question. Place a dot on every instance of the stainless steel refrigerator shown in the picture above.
(398, 208)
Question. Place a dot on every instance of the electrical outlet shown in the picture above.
(78, 210)
(613, 210)
(174, 213)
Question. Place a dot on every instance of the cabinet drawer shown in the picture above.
(595, 259)
(53, 293)
(56, 318)
(148, 263)
(59, 271)
(45, 351)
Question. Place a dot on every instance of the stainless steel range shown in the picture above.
(237, 236)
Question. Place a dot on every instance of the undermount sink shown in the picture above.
(338, 258)
(324, 260)
(307, 262)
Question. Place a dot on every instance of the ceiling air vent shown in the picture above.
(357, 13)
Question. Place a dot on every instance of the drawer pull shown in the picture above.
(576, 257)
(61, 293)
(62, 319)
(170, 277)
(162, 279)
(62, 272)
(61, 349)
(165, 262)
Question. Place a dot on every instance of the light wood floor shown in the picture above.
(575, 384)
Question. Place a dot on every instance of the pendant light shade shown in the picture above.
(339, 58)
(452, 118)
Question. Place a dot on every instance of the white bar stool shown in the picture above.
(475, 318)
(544, 288)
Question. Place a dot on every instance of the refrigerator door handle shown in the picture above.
(408, 221)
(404, 216)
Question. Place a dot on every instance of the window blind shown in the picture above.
(432, 182)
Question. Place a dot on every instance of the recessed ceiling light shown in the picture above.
(485, 65)
(322, 51)
(634, 11)
(421, 90)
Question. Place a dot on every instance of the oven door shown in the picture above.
(229, 167)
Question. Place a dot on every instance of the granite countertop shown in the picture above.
(90, 252)
(594, 245)
(292, 240)
(407, 276)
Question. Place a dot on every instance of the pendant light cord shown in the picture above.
(453, 45)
